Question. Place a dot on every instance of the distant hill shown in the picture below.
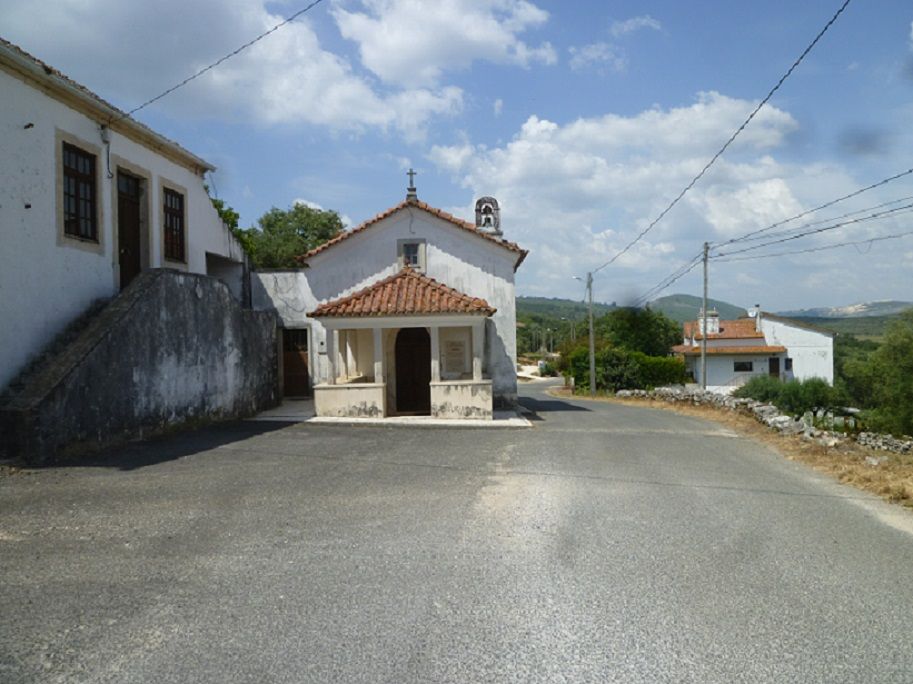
(558, 308)
(863, 310)
(682, 307)
(872, 327)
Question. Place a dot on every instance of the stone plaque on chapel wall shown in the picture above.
(454, 356)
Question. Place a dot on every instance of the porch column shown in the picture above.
(378, 355)
(332, 345)
(478, 347)
(435, 354)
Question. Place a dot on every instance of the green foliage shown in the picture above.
(658, 371)
(893, 369)
(795, 397)
(760, 388)
(618, 369)
(286, 234)
(643, 330)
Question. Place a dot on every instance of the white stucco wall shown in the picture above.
(812, 352)
(456, 258)
(721, 373)
(47, 279)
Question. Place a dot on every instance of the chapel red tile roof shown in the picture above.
(459, 223)
(406, 293)
(740, 329)
(688, 350)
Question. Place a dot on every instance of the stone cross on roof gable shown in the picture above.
(410, 191)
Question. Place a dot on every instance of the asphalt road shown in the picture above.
(606, 544)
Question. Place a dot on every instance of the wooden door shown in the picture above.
(774, 367)
(413, 371)
(128, 227)
(296, 380)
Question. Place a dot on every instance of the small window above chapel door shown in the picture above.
(411, 253)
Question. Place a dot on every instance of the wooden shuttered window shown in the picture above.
(175, 234)
(80, 204)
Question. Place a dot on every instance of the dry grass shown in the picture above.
(891, 478)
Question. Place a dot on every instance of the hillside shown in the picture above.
(682, 307)
(862, 326)
(552, 307)
(861, 310)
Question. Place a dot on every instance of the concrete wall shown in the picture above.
(46, 278)
(172, 349)
(456, 258)
(358, 400)
(462, 399)
(812, 352)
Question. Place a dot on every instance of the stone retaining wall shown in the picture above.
(770, 415)
(173, 349)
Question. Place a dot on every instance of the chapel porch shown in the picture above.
(406, 346)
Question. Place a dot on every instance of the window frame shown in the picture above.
(74, 240)
(170, 214)
(421, 253)
(749, 369)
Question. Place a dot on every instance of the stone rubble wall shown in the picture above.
(173, 350)
(770, 415)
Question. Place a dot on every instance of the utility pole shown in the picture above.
(589, 288)
(704, 324)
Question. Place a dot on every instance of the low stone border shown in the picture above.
(770, 415)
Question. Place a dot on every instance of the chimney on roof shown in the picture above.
(713, 322)
(488, 216)
(755, 313)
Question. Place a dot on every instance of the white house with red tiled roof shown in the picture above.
(410, 313)
(762, 344)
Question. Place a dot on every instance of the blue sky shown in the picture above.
(583, 118)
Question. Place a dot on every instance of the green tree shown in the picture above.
(283, 234)
(642, 330)
(893, 368)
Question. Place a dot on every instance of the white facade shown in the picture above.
(811, 350)
(461, 259)
(47, 277)
(764, 344)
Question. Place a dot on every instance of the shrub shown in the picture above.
(795, 397)
(617, 369)
(760, 388)
(656, 371)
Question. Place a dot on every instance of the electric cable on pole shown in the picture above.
(704, 323)
(589, 287)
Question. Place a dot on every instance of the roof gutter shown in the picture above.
(55, 84)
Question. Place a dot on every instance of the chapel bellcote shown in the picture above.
(488, 216)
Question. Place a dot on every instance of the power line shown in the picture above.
(830, 203)
(830, 219)
(677, 274)
(731, 138)
(231, 54)
(877, 215)
(817, 249)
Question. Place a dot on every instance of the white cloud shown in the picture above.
(406, 43)
(597, 54)
(498, 106)
(576, 193)
(286, 78)
(620, 28)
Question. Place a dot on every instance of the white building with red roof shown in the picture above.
(410, 313)
(762, 344)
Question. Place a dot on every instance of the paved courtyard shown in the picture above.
(605, 544)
